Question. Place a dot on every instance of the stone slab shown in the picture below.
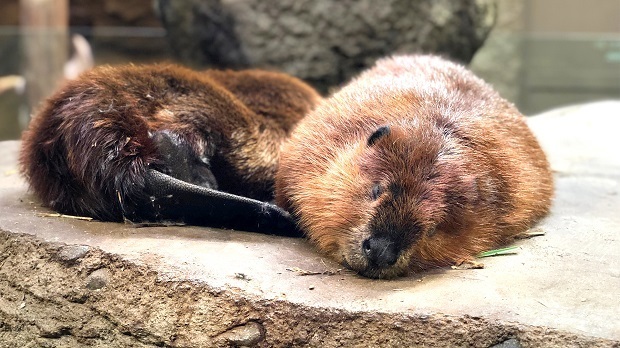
(66, 282)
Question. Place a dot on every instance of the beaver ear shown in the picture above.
(378, 134)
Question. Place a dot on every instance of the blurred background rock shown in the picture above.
(538, 54)
(324, 42)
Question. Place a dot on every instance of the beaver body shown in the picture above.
(98, 146)
(416, 163)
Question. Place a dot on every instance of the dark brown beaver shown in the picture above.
(417, 163)
(99, 146)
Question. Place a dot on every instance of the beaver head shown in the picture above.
(387, 204)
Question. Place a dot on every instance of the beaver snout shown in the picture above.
(381, 252)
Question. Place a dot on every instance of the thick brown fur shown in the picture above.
(454, 171)
(87, 149)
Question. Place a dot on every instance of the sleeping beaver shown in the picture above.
(163, 142)
(416, 163)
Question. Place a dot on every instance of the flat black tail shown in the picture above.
(177, 200)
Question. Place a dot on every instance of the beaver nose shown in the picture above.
(380, 251)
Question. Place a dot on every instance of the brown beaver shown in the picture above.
(162, 142)
(417, 163)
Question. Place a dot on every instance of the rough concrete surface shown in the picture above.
(72, 283)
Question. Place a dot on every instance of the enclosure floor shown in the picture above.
(66, 282)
